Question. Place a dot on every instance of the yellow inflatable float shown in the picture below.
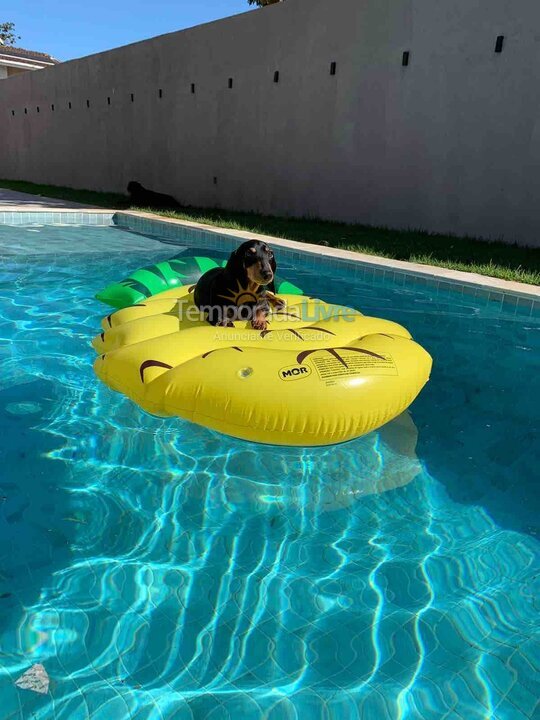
(320, 374)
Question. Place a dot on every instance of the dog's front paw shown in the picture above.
(259, 323)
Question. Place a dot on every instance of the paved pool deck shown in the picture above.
(13, 201)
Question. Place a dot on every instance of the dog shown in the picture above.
(139, 195)
(244, 289)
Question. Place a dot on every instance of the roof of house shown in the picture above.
(29, 55)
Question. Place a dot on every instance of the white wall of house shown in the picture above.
(449, 143)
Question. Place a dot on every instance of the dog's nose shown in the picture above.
(266, 274)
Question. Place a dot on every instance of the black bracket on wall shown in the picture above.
(230, 83)
(193, 88)
(276, 76)
(499, 44)
(405, 58)
(333, 67)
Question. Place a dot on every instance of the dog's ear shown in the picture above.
(235, 265)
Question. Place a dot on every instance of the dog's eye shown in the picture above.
(270, 254)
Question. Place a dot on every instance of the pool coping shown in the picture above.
(445, 274)
(515, 297)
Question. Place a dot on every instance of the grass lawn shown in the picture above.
(495, 259)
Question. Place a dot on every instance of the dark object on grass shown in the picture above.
(139, 195)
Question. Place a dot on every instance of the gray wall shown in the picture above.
(450, 143)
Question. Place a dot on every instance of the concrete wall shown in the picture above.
(450, 143)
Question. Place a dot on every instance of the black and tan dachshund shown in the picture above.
(244, 289)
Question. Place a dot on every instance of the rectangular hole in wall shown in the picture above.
(132, 96)
(108, 101)
(88, 103)
(405, 58)
(276, 76)
(160, 93)
(499, 44)
(13, 113)
(230, 83)
(333, 67)
(69, 105)
(37, 108)
(25, 111)
(52, 107)
(193, 88)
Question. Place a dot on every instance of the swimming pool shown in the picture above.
(160, 570)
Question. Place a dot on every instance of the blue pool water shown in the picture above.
(160, 571)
